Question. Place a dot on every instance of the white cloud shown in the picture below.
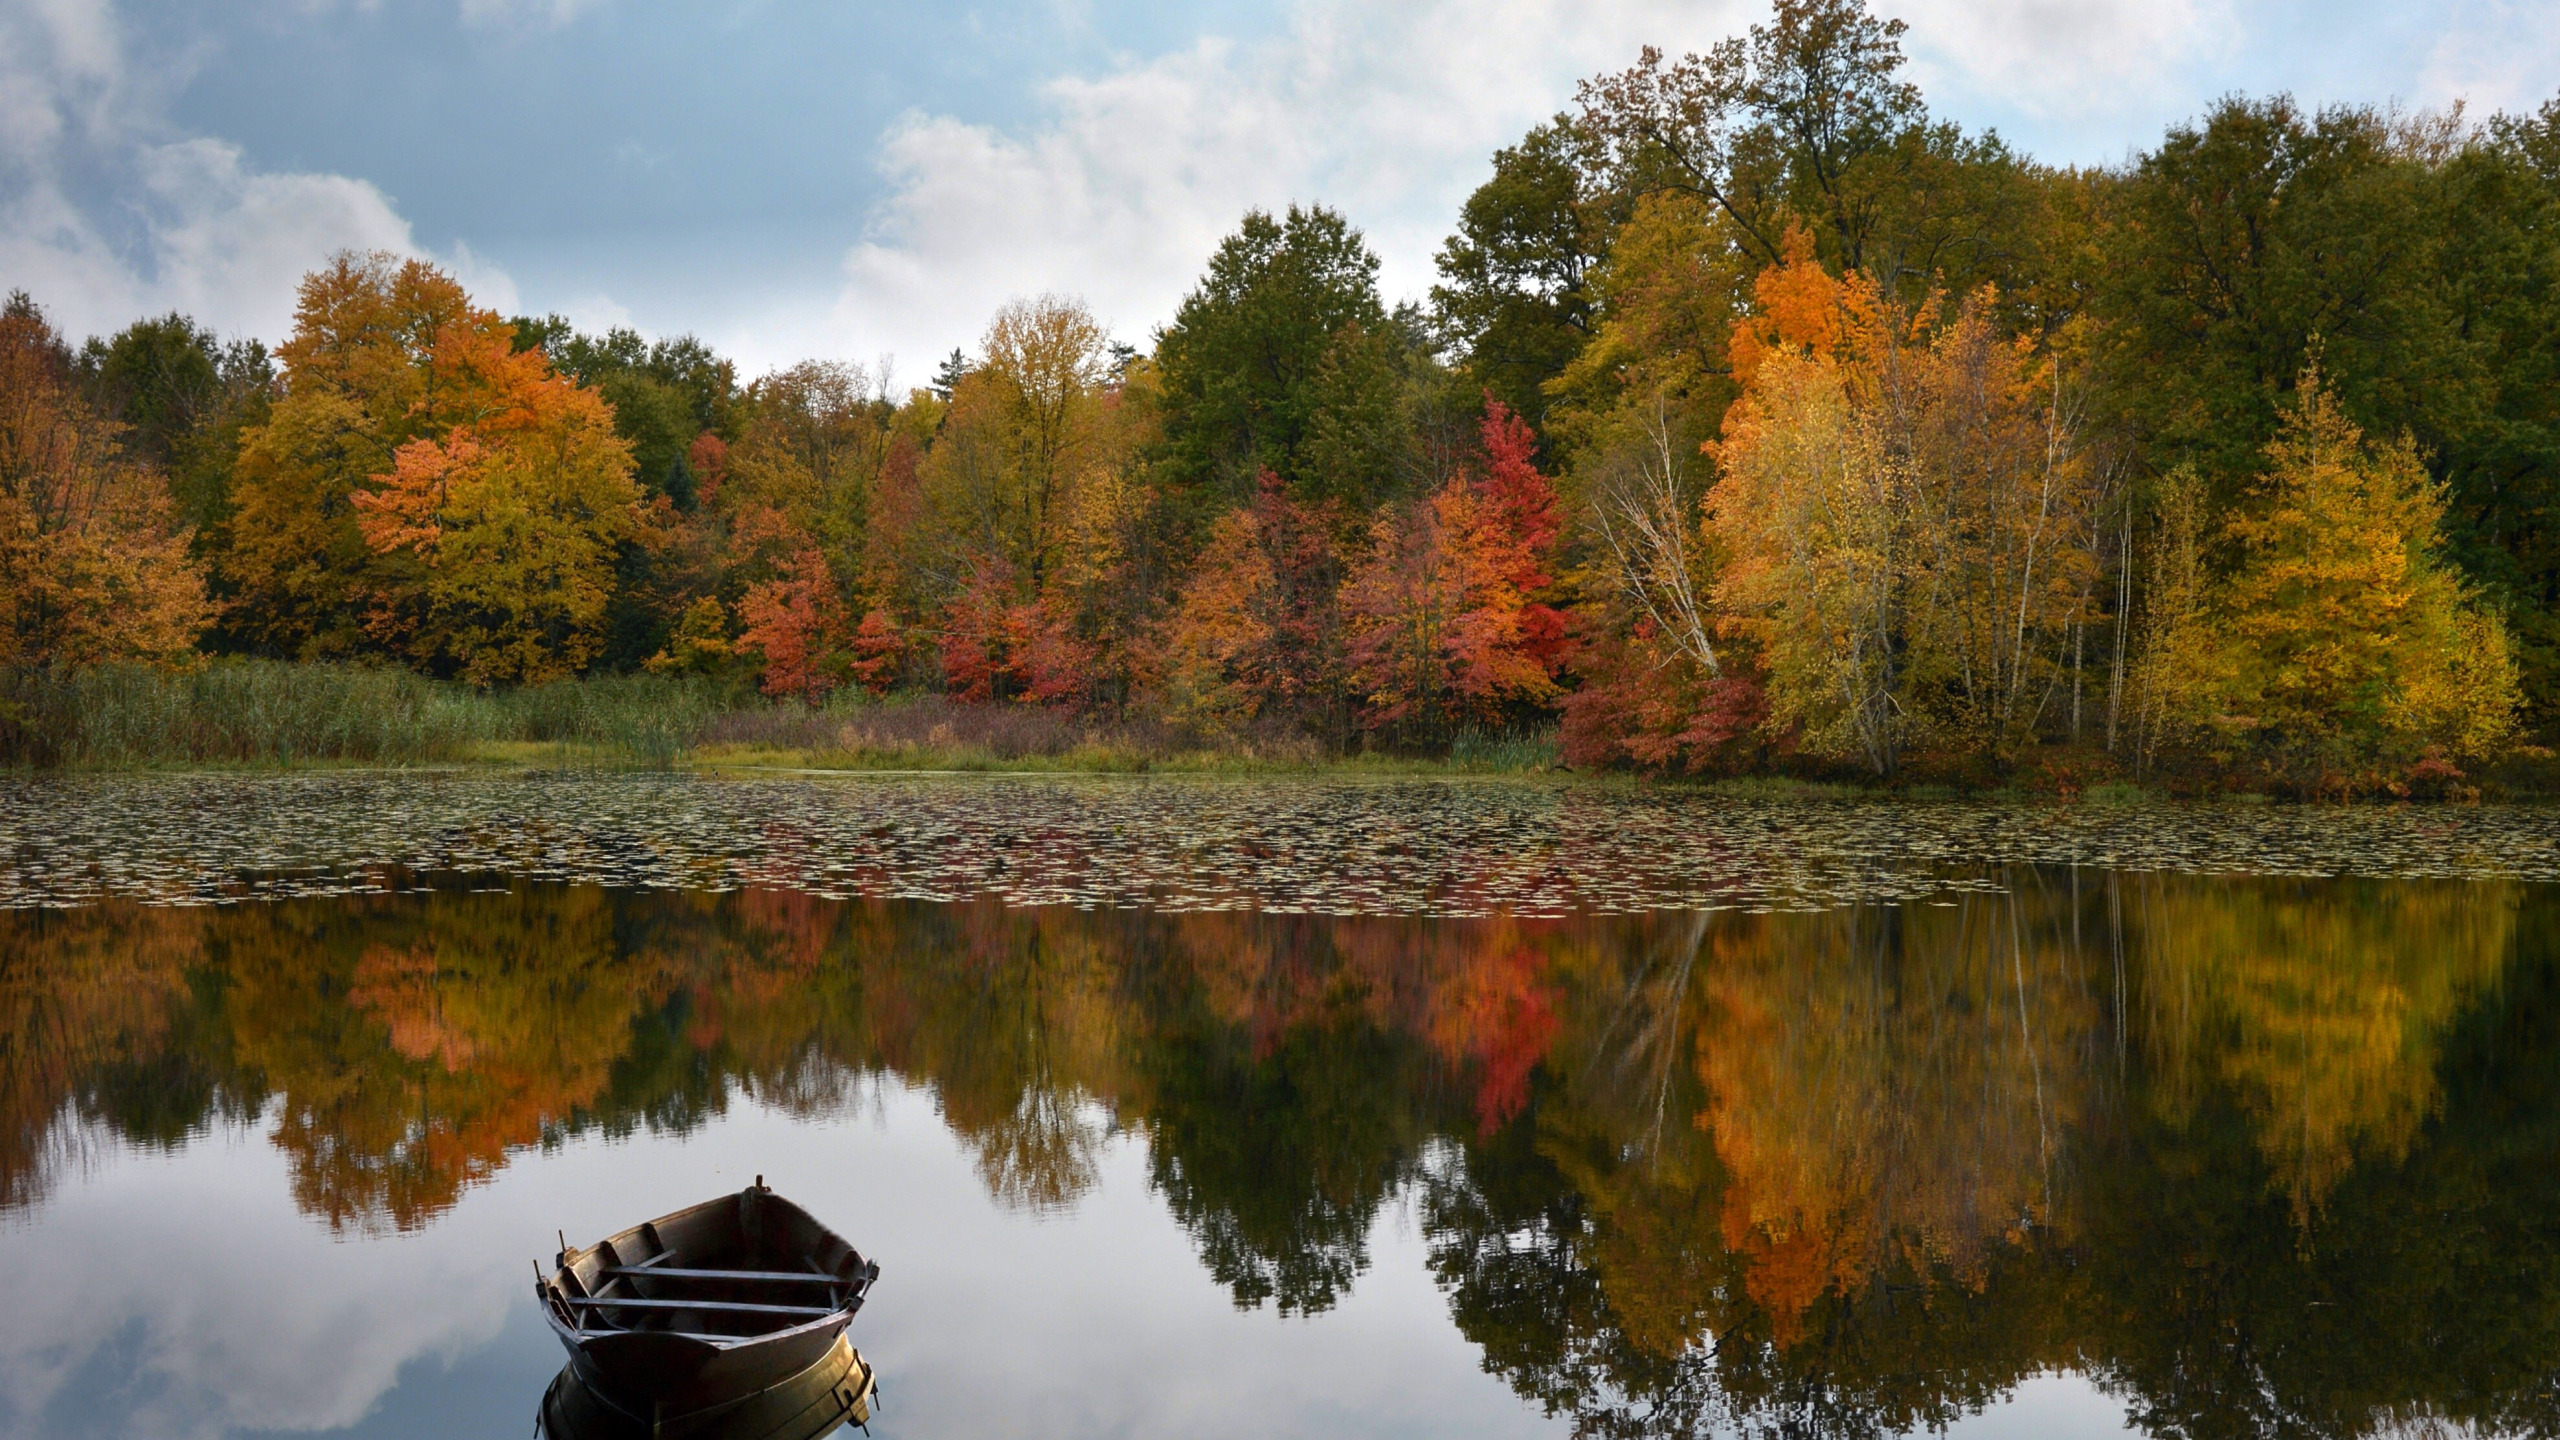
(2494, 56)
(2064, 59)
(486, 282)
(234, 241)
(1388, 113)
(106, 216)
(597, 312)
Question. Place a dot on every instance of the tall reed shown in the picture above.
(267, 712)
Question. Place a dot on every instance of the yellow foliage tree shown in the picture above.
(516, 515)
(2341, 650)
(1909, 516)
(1030, 464)
(296, 564)
(377, 359)
(1669, 293)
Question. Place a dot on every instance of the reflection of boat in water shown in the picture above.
(818, 1401)
(712, 1309)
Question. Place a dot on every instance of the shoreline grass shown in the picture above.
(271, 715)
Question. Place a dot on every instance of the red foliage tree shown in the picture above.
(997, 647)
(1522, 503)
(708, 458)
(976, 640)
(879, 652)
(1645, 701)
(797, 623)
(1443, 620)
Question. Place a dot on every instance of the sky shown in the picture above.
(868, 182)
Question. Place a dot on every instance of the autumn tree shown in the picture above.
(1442, 615)
(2341, 649)
(361, 379)
(783, 512)
(667, 397)
(1668, 295)
(1047, 356)
(1257, 629)
(1031, 475)
(1027, 436)
(1908, 510)
(810, 446)
(93, 565)
(699, 643)
(996, 645)
(796, 625)
(512, 518)
(1662, 683)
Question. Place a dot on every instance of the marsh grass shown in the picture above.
(1783, 788)
(929, 732)
(265, 713)
(1475, 749)
(260, 712)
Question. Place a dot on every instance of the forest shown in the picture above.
(1760, 422)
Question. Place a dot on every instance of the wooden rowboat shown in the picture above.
(705, 1307)
(817, 1402)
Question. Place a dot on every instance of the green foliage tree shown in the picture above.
(1282, 342)
(183, 397)
(2419, 255)
(1807, 119)
(1514, 295)
(664, 393)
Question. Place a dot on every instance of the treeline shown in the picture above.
(1760, 420)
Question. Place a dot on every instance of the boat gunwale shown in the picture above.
(554, 1298)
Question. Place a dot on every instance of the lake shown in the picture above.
(1178, 1107)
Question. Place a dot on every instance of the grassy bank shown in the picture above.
(264, 713)
(270, 714)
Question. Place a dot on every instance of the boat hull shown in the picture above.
(834, 1391)
(645, 1366)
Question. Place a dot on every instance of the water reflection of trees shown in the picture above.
(2265, 1157)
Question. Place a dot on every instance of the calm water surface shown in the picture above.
(1180, 1108)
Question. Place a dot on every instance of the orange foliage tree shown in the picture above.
(92, 566)
(515, 517)
(879, 652)
(797, 624)
(1257, 631)
(362, 377)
